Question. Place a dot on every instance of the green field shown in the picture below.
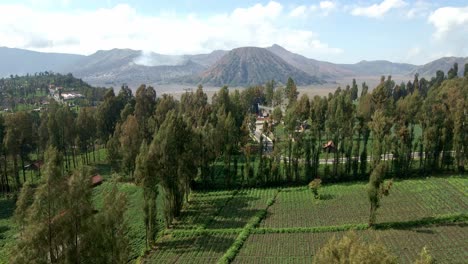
(8, 229)
(447, 244)
(287, 225)
(295, 225)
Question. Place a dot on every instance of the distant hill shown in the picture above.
(313, 67)
(379, 67)
(117, 66)
(21, 62)
(238, 67)
(251, 66)
(443, 64)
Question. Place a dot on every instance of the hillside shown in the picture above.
(133, 67)
(313, 67)
(443, 64)
(379, 67)
(238, 67)
(21, 62)
(251, 66)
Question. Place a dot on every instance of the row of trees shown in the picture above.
(416, 125)
(59, 224)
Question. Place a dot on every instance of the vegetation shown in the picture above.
(351, 249)
(194, 169)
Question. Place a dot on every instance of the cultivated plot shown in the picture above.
(207, 248)
(447, 244)
(348, 203)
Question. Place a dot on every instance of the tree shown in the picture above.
(278, 96)
(145, 103)
(365, 89)
(25, 199)
(380, 126)
(291, 92)
(303, 108)
(43, 233)
(277, 114)
(351, 249)
(354, 90)
(376, 189)
(170, 157)
(129, 139)
(453, 72)
(106, 241)
(148, 180)
(269, 92)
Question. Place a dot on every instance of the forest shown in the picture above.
(179, 152)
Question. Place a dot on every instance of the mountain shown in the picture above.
(238, 67)
(313, 67)
(379, 67)
(207, 60)
(20, 61)
(443, 64)
(117, 66)
(251, 66)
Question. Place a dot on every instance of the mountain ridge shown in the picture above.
(117, 66)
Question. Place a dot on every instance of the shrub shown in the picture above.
(350, 249)
(314, 186)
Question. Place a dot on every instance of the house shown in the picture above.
(97, 180)
(329, 146)
(36, 165)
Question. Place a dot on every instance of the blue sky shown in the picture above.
(337, 31)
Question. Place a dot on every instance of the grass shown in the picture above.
(8, 228)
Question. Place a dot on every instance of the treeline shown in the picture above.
(418, 127)
(32, 89)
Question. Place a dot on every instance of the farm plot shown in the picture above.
(203, 207)
(8, 229)
(348, 203)
(447, 244)
(205, 248)
(244, 205)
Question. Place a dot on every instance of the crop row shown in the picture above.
(348, 204)
(447, 244)
(206, 248)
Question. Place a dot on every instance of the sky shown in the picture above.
(338, 31)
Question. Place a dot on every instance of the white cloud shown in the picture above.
(449, 20)
(378, 10)
(451, 29)
(299, 11)
(327, 7)
(420, 8)
(324, 8)
(122, 26)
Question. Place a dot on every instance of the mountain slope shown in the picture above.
(443, 64)
(117, 66)
(20, 61)
(313, 67)
(252, 66)
(379, 67)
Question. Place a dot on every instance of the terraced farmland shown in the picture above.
(288, 225)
